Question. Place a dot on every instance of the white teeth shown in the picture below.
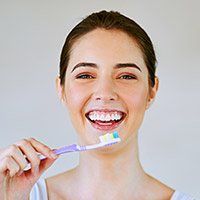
(95, 116)
(101, 117)
(112, 116)
(92, 117)
(117, 116)
(104, 116)
(108, 118)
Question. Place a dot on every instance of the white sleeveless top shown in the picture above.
(39, 192)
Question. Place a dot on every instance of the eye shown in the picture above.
(127, 76)
(84, 76)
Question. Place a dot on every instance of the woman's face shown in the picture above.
(106, 85)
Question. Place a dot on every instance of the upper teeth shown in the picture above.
(105, 116)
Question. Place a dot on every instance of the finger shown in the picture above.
(30, 153)
(9, 164)
(42, 148)
(17, 155)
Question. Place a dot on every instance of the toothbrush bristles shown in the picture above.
(110, 138)
(105, 140)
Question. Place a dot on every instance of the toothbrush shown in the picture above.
(105, 140)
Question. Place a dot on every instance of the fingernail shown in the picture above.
(53, 155)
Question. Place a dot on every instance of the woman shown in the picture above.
(107, 67)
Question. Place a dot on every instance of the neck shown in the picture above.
(100, 170)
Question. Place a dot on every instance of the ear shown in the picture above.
(152, 93)
(59, 89)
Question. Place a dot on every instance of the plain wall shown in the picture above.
(31, 37)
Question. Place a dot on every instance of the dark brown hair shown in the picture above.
(110, 21)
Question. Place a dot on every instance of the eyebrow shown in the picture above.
(117, 66)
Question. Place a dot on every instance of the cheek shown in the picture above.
(136, 99)
(76, 97)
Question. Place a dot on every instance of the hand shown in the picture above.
(15, 183)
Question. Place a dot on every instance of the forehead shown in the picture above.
(100, 46)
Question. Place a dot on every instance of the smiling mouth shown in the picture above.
(105, 120)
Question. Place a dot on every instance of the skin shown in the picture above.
(15, 183)
(113, 172)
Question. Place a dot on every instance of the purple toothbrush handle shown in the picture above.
(66, 149)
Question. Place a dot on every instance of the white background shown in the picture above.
(31, 37)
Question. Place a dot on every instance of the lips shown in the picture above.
(105, 120)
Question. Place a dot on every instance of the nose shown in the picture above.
(105, 91)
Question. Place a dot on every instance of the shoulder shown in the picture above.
(54, 185)
(45, 189)
(60, 185)
(162, 191)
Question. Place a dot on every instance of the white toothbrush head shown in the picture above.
(110, 138)
(105, 140)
